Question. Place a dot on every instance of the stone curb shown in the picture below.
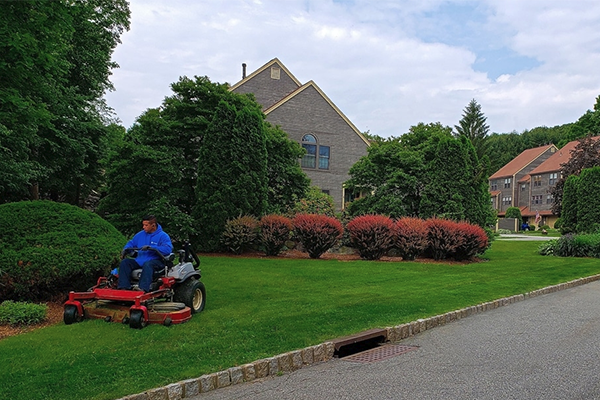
(294, 360)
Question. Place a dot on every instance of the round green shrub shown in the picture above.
(514, 212)
(50, 248)
(19, 313)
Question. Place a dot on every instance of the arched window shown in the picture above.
(313, 149)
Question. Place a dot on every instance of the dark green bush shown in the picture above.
(50, 248)
(566, 246)
(514, 212)
(315, 202)
(558, 223)
(19, 313)
(240, 234)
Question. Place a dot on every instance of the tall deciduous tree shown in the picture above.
(424, 173)
(473, 126)
(54, 71)
(205, 156)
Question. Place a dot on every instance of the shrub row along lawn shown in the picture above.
(258, 308)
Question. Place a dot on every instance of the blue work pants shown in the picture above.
(129, 264)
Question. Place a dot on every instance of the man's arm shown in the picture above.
(164, 245)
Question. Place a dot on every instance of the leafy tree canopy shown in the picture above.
(205, 156)
(56, 63)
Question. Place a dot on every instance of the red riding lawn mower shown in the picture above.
(175, 294)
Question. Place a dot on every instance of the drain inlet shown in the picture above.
(359, 342)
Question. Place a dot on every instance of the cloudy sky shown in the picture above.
(387, 64)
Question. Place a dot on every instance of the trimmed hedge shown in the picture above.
(371, 235)
(275, 230)
(50, 248)
(317, 233)
(474, 241)
(411, 237)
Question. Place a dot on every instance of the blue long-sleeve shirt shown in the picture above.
(158, 239)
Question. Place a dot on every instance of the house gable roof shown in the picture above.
(562, 155)
(297, 91)
(521, 161)
(312, 84)
(274, 62)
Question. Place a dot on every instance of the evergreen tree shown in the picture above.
(569, 205)
(232, 174)
(473, 126)
(585, 155)
(588, 200)
(448, 178)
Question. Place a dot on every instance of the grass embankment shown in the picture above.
(257, 308)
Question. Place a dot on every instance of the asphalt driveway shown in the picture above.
(546, 347)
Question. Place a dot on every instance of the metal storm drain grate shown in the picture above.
(380, 353)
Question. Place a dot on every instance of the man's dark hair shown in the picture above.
(150, 218)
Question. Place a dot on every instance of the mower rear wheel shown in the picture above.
(192, 293)
(136, 319)
(71, 314)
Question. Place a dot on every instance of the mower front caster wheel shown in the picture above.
(137, 320)
(71, 315)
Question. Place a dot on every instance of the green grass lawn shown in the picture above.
(258, 308)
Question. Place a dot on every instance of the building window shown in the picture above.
(523, 187)
(537, 199)
(537, 181)
(323, 157)
(493, 185)
(553, 178)
(549, 199)
(507, 183)
(309, 142)
(507, 201)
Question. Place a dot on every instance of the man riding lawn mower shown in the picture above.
(149, 288)
(175, 294)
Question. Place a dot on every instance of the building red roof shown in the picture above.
(553, 164)
(520, 162)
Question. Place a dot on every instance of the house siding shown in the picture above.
(519, 197)
(304, 109)
(309, 113)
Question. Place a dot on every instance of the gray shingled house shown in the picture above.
(332, 142)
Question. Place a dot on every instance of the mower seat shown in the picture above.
(137, 273)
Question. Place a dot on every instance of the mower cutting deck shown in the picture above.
(177, 295)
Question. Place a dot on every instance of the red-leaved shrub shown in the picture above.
(371, 235)
(474, 241)
(317, 233)
(443, 237)
(411, 237)
(274, 231)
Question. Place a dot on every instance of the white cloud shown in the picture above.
(372, 58)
